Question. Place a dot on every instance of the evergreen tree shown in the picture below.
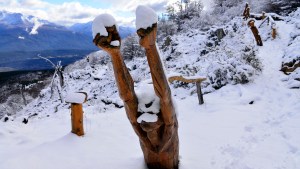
(130, 48)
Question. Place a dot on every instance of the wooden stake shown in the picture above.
(199, 93)
(76, 100)
(77, 119)
(274, 33)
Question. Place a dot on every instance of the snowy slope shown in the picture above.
(241, 126)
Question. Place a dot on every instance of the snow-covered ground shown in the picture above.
(249, 126)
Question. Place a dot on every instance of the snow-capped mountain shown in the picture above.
(28, 33)
(24, 37)
(20, 20)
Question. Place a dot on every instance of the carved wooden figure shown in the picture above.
(245, 10)
(255, 33)
(159, 140)
(247, 13)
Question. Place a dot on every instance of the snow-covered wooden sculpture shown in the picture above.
(255, 32)
(158, 136)
(196, 80)
(76, 100)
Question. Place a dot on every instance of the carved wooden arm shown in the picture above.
(161, 87)
(123, 79)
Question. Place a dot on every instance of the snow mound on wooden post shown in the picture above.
(102, 21)
(145, 17)
(78, 98)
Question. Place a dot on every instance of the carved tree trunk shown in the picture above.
(166, 156)
(158, 140)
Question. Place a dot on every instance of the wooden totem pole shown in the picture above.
(159, 140)
(255, 32)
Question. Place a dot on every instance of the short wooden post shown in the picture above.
(199, 93)
(245, 10)
(196, 80)
(263, 16)
(76, 100)
(247, 13)
(274, 32)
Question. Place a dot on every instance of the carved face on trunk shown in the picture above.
(153, 131)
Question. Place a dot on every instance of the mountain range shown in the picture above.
(24, 37)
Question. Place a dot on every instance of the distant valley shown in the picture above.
(23, 38)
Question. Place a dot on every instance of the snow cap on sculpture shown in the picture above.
(102, 21)
(145, 17)
(78, 98)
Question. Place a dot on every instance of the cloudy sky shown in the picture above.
(68, 12)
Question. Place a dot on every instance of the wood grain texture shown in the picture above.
(77, 119)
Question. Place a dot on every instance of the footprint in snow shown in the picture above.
(232, 151)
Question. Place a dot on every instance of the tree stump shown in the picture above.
(158, 140)
(76, 100)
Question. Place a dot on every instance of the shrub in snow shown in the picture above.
(291, 58)
(230, 60)
(166, 28)
(131, 48)
(293, 80)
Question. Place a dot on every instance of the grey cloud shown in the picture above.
(159, 6)
(81, 15)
